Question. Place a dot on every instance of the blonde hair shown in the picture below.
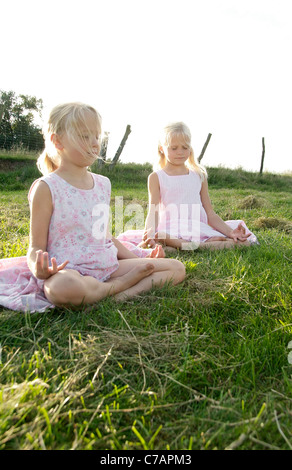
(179, 130)
(70, 119)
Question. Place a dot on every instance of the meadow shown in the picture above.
(204, 365)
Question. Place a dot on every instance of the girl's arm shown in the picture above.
(152, 218)
(215, 221)
(41, 209)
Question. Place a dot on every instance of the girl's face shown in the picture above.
(85, 147)
(177, 152)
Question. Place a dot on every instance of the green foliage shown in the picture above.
(126, 175)
(203, 365)
(225, 178)
(17, 127)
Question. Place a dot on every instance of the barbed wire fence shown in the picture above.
(19, 133)
(21, 142)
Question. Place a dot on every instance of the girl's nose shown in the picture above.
(95, 142)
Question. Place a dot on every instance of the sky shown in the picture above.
(221, 66)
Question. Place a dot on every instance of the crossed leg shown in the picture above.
(134, 276)
(213, 243)
(219, 243)
(165, 270)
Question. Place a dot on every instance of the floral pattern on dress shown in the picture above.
(88, 254)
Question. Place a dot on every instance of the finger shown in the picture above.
(62, 266)
(160, 235)
(150, 242)
(39, 257)
(149, 230)
(243, 236)
(146, 233)
(142, 245)
(45, 261)
(157, 238)
(39, 261)
(241, 228)
(54, 267)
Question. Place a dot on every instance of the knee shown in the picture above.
(179, 271)
(65, 288)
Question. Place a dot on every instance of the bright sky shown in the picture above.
(221, 66)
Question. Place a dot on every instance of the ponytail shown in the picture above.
(46, 164)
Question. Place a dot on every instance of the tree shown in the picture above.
(17, 121)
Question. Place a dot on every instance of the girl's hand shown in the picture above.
(158, 237)
(147, 243)
(148, 239)
(42, 268)
(148, 233)
(162, 237)
(238, 234)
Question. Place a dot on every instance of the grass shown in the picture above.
(203, 365)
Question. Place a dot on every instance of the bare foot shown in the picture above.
(220, 245)
(217, 239)
(167, 241)
(131, 278)
(139, 272)
(157, 252)
(189, 246)
(170, 249)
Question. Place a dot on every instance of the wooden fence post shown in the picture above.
(122, 144)
(204, 148)
(103, 150)
(263, 155)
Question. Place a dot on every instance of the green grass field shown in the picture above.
(203, 365)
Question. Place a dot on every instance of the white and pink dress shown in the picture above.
(84, 243)
(181, 213)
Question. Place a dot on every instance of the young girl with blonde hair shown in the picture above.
(180, 213)
(72, 259)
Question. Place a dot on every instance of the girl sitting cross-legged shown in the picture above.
(72, 260)
(180, 213)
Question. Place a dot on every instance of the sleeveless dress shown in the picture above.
(84, 243)
(181, 213)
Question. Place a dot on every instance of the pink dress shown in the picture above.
(181, 213)
(84, 243)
